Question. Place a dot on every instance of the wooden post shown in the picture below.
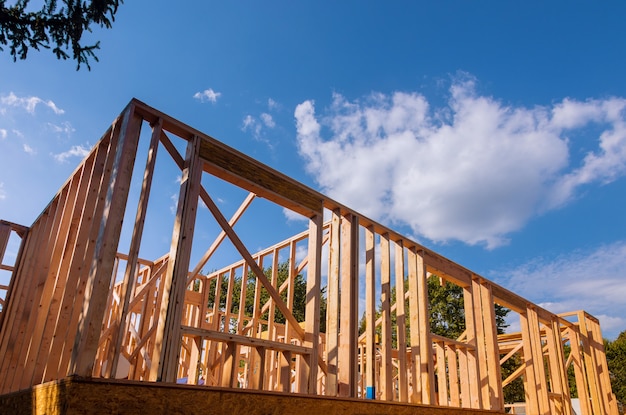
(349, 318)
(442, 384)
(332, 307)
(427, 371)
(49, 306)
(85, 245)
(416, 379)
(401, 323)
(558, 375)
(386, 373)
(313, 292)
(530, 378)
(590, 364)
(168, 335)
(370, 313)
(128, 283)
(579, 371)
(604, 381)
(14, 325)
(470, 392)
(194, 357)
(481, 349)
(231, 364)
(284, 384)
(540, 371)
(491, 347)
(97, 286)
(453, 375)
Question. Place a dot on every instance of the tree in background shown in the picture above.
(616, 359)
(447, 319)
(60, 28)
(299, 297)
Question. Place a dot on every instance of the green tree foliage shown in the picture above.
(447, 311)
(299, 303)
(616, 360)
(60, 28)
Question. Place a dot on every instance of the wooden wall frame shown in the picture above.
(165, 321)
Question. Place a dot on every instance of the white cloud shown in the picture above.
(248, 122)
(18, 133)
(29, 150)
(256, 126)
(64, 128)
(474, 171)
(207, 95)
(268, 120)
(591, 280)
(174, 205)
(3, 193)
(292, 216)
(271, 104)
(28, 103)
(3, 133)
(74, 151)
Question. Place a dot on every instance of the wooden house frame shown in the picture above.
(67, 314)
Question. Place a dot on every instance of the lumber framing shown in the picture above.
(76, 308)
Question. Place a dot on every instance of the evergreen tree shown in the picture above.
(616, 360)
(60, 28)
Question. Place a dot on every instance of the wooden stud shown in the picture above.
(442, 384)
(88, 333)
(401, 323)
(414, 317)
(332, 306)
(491, 345)
(386, 391)
(370, 313)
(85, 247)
(540, 372)
(530, 378)
(453, 375)
(133, 251)
(167, 343)
(427, 371)
(472, 390)
(313, 292)
(349, 296)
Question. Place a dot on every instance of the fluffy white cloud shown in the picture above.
(3, 133)
(207, 95)
(474, 170)
(595, 278)
(27, 103)
(29, 150)
(74, 151)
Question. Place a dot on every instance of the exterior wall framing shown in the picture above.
(65, 314)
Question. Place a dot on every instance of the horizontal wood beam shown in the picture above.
(245, 340)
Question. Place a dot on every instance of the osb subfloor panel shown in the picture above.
(80, 396)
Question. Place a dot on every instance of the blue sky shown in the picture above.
(491, 132)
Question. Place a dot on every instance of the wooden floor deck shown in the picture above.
(104, 396)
